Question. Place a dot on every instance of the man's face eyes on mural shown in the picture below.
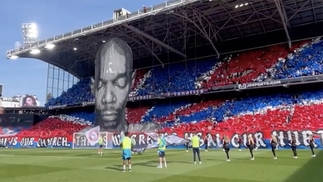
(120, 82)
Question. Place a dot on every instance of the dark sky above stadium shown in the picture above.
(54, 17)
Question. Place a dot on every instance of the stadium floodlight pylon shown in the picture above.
(80, 141)
(29, 33)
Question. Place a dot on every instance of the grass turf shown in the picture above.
(59, 165)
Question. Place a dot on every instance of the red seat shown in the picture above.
(134, 115)
(309, 117)
(247, 66)
(139, 75)
(52, 127)
(193, 108)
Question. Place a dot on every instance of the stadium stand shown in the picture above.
(307, 61)
(172, 78)
(159, 111)
(275, 111)
(61, 125)
(265, 112)
(245, 67)
(134, 115)
(281, 111)
(79, 92)
(140, 76)
(277, 63)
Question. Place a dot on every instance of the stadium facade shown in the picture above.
(26, 100)
(58, 81)
(191, 59)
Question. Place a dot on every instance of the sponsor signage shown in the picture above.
(258, 84)
(136, 98)
(57, 107)
(184, 93)
(215, 139)
(147, 97)
(88, 103)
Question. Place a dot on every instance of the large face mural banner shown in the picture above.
(112, 84)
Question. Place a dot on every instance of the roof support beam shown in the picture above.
(154, 40)
(262, 25)
(202, 24)
(296, 11)
(314, 13)
(234, 21)
(283, 17)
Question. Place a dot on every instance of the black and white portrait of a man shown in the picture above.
(112, 84)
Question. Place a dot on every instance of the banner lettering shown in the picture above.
(53, 142)
(214, 139)
(32, 142)
(80, 140)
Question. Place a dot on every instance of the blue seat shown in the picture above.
(161, 110)
(78, 93)
(307, 62)
(175, 77)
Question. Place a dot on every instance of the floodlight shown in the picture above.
(237, 6)
(13, 57)
(75, 49)
(35, 51)
(246, 4)
(241, 5)
(49, 46)
(33, 31)
(30, 32)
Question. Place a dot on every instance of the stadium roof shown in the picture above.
(185, 29)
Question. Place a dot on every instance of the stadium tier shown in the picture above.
(276, 63)
(78, 93)
(175, 77)
(248, 66)
(279, 112)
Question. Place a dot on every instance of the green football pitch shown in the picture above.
(59, 165)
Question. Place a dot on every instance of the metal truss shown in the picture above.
(154, 39)
(258, 12)
(136, 40)
(144, 41)
(163, 29)
(201, 25)
(283, 16)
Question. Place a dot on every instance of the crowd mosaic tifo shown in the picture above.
(189, 71)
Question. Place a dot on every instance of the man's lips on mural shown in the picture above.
(109, 112)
